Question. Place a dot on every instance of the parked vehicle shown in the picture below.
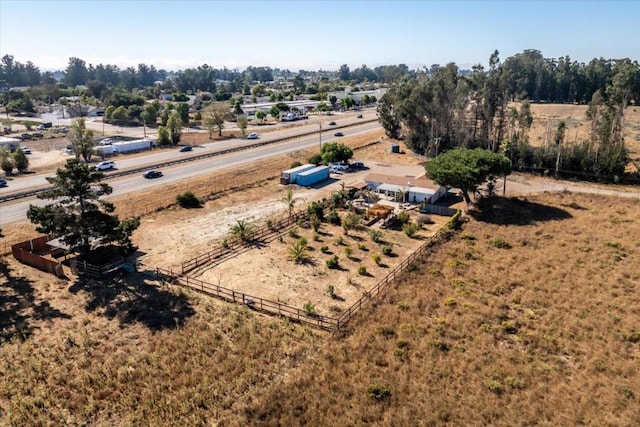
(105, 165)
(105, 141)
(185, 148)
(37, 135)
(359, 116)
(26, 150)
(339, 166)
(152, 174)
(26, 136)
(252, 136)
(338, 134)
(357, 165)
(45, 125)
(3, 182)
(332, 123)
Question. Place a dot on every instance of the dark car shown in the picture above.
(357, 165)
(37, 135)
(186, 148)
(3, 182)
(359, 116)
(332, 123)
(152, 174)
(26, 136)
(338, 134)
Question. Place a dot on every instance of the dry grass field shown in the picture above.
(530, 314)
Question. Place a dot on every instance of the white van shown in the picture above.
(105, 165)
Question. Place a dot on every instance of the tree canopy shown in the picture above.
(335, 152)
(81, 139)
(467, 169)
(78, 216)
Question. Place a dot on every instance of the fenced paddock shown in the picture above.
(251, 301)
(322, 322)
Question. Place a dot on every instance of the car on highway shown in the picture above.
(359, 116)
(26, 150)
(185, 148)
(332, 123)
(252, 136)
(3, 182)
(152, 174)
(105, 165)
(338, 134)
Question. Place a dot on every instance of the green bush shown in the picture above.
(410, 229)
(377, 258)
(362, 247)
(316, 237)
(348, 251)
(362, 270)
(333, 217)
(378, 391)
(375, 235)
(331, 291)
(295, 164)
(293, 232)
(500, 243)
(333, 262)
(324, 248)
(387, 250)
(309, 308)
(403, 217)
(188, 200)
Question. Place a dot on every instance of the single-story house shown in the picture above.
(406, 189)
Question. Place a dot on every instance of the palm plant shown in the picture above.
(242, 230)
(298, 251)
(289, 201)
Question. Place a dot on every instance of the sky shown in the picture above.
(312, 35)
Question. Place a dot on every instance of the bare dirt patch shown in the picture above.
(265, 270)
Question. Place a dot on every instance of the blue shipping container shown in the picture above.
(313, 176)
(289, 176)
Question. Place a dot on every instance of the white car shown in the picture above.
(105, 165)
(252, 136)
(339, 166)
(26, 150)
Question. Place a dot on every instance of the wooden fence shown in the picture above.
(83, 267)
(25, 252)
(261, 233)
(256, 303)
(322, 322)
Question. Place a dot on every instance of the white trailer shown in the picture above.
(104, 150)
(121, 147)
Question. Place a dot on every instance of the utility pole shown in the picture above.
(321, 136)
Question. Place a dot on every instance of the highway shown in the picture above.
(16, 210)
(29, 182)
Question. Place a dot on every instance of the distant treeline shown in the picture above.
(527, 75)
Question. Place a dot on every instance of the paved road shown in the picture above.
(27, 182)
(16, 211)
